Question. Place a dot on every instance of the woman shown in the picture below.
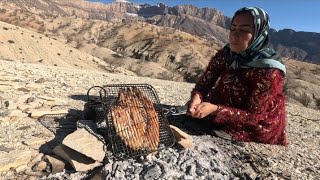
(241, 90)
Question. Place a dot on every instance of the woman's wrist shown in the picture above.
(216, 108)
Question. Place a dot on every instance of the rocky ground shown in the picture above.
(211, 157)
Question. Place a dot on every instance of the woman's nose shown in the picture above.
(236, 32)
(234, 35)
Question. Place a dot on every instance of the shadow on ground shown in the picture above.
(61, 125)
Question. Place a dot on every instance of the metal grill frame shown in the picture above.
(119, 148)
(95, 108)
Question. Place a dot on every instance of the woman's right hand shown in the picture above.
(193, 104)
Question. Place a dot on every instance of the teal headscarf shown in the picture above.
(257, 55)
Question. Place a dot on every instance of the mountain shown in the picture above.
(304, 46)
(134, 45)
(208, 23)
(23, 45)
(211, 23)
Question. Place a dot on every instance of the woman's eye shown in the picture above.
(245, 30)
(240, 30)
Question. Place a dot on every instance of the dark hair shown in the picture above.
(238, 13)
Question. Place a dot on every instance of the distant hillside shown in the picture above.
(140, 47)
(19, 44)
(208, 23)
(304, 46)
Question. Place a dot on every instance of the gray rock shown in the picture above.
(130, 169)
(218, 176)
(108, 167)
(152, 172)
(119, 175)
(191, 170)
(115, 166)
(187, 177)
(138, 170)
(136, 177)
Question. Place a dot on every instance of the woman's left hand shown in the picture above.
(204, 109)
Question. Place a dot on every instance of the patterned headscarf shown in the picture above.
(257, 55)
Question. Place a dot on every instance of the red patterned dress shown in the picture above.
(251, 101)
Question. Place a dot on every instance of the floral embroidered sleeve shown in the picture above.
(216, 65)
(266, 85)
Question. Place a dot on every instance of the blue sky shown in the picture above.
(299, 15)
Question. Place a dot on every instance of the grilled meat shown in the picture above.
(136, 120)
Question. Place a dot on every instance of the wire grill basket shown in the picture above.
(95, 108)
(142, 136)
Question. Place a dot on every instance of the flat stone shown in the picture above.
(56, 164)
(35, 159)
(34, 86)
(85, 143)
(35, 142)
(179, 134)
(77, 160)
(40, 166)
(36, 104)
(39, 174)
(48, 98)
(17, 113)
(22, 99)
(39, 113)
(186, 143)
(21, 168)
(14, 159)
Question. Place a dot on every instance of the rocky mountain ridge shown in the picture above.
(131, 45)
(204, 22)
(304, 46)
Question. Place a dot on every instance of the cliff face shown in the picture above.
(304, 46)
(213, 16)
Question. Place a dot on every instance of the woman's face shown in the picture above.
(241, 32)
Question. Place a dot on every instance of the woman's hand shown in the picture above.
(193, 103)
(204, 109)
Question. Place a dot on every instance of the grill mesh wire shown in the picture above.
(119, 148)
